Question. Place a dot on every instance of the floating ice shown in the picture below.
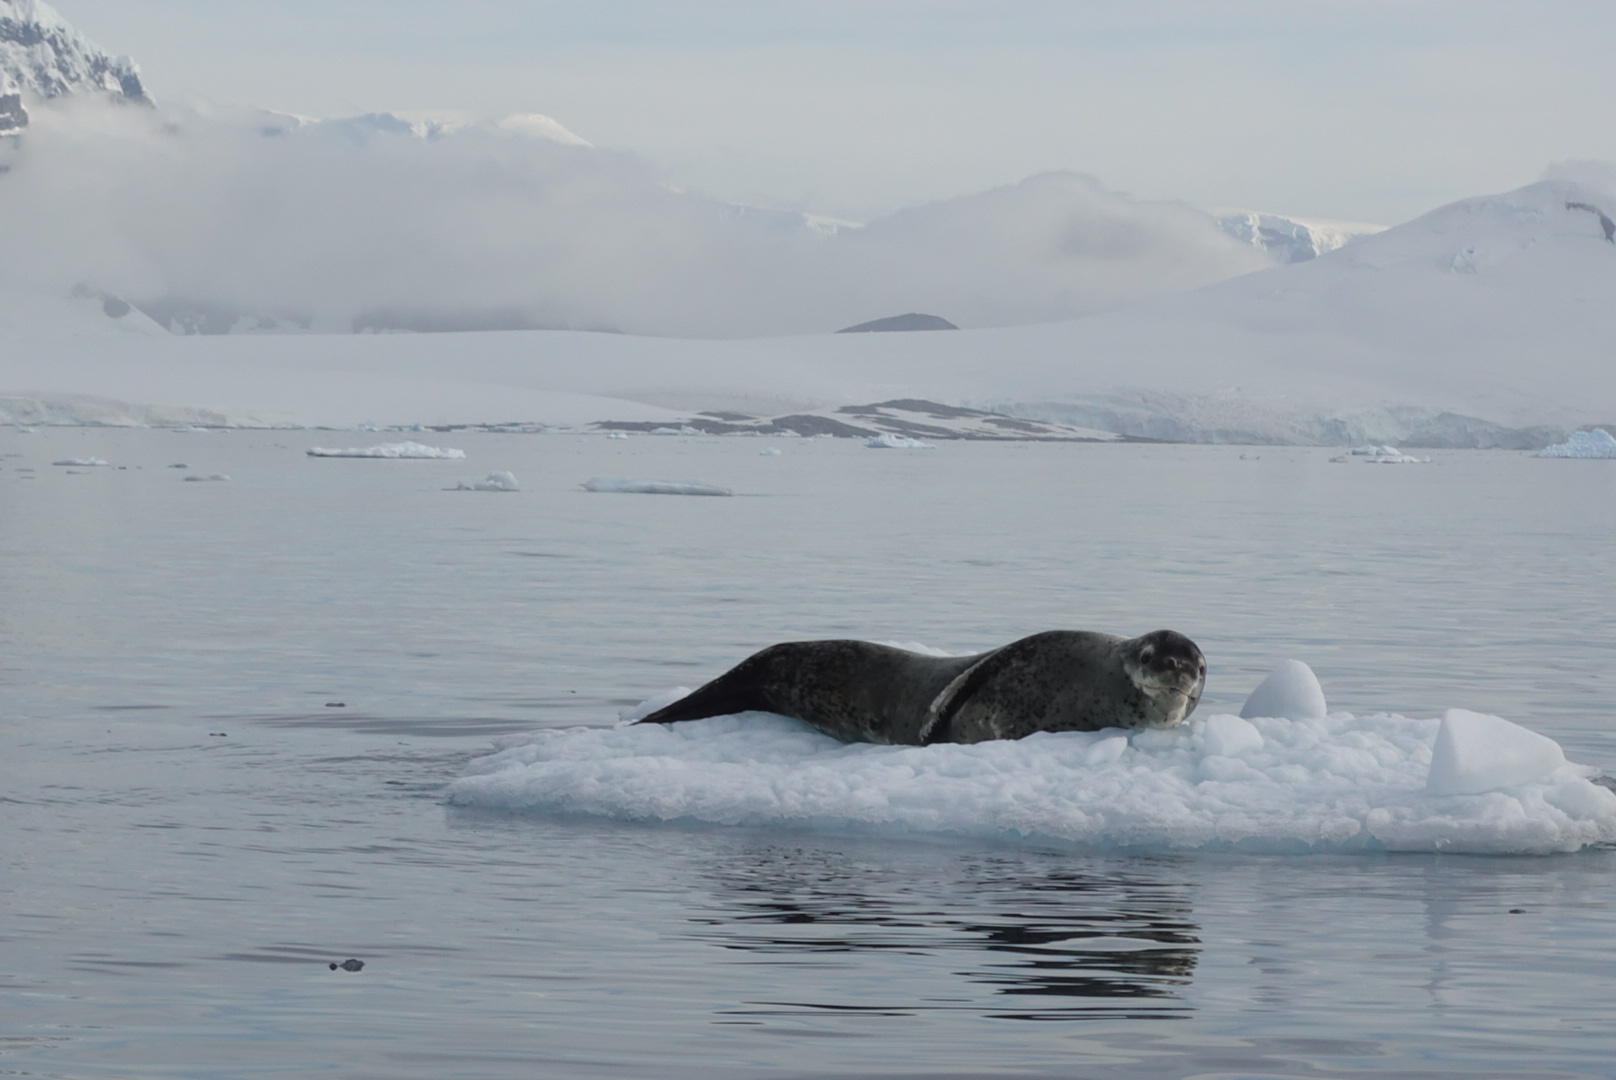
(80, 462)
(1291, 691)
(195, 477)
(388, 450)
(684, 429)
(497, 481)
(1324, 783)
(896, 442)
(769, 451)
(1597, 443)
(1382, 455)
(623, 484)
(1475, 752)
(617, 434)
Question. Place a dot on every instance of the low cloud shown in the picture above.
(216, 220)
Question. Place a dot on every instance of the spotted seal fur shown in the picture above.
(1059, 680)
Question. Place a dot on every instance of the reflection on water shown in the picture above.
(1037, 939)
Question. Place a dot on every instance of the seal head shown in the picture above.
(1169, 670)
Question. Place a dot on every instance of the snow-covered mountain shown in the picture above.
(1290, 239)
(43, 57)
(1487, 322)
(419, 125)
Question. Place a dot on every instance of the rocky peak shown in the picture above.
(42, 56)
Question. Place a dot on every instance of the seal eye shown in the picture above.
(1147, 654)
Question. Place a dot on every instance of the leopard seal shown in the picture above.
(1059, 680)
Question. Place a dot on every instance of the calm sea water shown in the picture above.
(193, 830)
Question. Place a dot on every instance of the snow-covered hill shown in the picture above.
(215, 221)
(1290, 239)
(43, 57)
(1488, 322)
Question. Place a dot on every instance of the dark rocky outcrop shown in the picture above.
(914, 320)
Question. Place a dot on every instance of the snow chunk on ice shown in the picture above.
(1597, 443)
(1475, 753)
(1291, 691)
(1268, 784)
(497, 481)
(623, 484)
(1231, 736)
(388, 450)
(896, 442)
(80, 462)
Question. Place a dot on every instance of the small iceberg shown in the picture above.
(1378, 454)
(388, 450)
(769, 451)
(617, 434)
(497, 481)
(80, 462)
(624, 485)
(1464, 782)
(896, 442)
(1597, 443)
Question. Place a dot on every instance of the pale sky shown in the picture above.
(1375, 110)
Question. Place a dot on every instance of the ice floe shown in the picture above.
(1597, 443)
(496, 481)
(1382, 455)
(388, 450)
(624, 485)
(80, 462)
(1462, 783)
(896, 442)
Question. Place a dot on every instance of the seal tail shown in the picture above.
(737, 690)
